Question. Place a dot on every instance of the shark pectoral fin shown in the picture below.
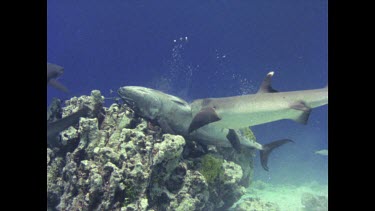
(165, 127)
(266, 87)
(267, 149)
(234, 140)
(203, 117)
(303, 118)
(58, 85)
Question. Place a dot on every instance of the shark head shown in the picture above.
(144, 101)
(172, 113)
(54, 71)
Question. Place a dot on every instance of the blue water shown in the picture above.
(197, 49)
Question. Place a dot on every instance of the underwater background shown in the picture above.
(197, 49)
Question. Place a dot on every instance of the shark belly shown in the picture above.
(249, 110)
(255, 118)
(215, 135)
(254, 110)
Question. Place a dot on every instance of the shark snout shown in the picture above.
(140, 99)
(121, 91)
(131, 92)
(128, 95)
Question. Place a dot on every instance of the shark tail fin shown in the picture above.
(267, 149)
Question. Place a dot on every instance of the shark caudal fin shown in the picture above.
(267, 149)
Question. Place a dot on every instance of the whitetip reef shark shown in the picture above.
(176, 116)
(53, 72)
(267, 105)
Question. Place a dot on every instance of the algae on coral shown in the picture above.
(211, 167)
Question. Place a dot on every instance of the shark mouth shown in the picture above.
(131, 103)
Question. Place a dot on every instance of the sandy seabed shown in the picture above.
(287, 197)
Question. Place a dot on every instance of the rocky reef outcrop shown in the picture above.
(115, 160)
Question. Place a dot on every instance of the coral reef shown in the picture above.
(115, 160)
(54, 110)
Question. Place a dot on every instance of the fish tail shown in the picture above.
(267, 149)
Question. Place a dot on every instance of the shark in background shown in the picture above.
(54, 128)
(53, 72)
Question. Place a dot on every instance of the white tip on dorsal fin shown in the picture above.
(266, 87)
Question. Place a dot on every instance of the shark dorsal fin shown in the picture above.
(266, 87)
